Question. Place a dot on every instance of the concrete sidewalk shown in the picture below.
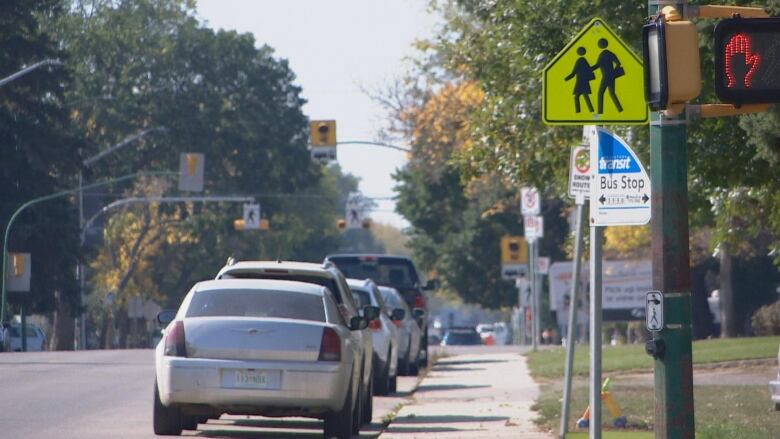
(476, 395)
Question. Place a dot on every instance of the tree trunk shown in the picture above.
(64, 327)
(727, 323)
(124, 326)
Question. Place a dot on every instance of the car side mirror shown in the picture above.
(371, 312)
(166, 316)
(418, 313)
(431, 285)
(358, 323)
(398, 314)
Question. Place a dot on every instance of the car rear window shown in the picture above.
(257, 303)
(382, 270)
(326, 282)
(393, 301)
(463, 338)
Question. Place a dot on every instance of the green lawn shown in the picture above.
(550, 363)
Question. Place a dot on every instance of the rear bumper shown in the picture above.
(306, 388)
(774, 387)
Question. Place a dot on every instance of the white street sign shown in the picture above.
(354, 213)
(655, 311)
(251, 216)
(620, 188)
(543, 265)
(534, 227)
(530, 204)
(514, 271)
(579, 172)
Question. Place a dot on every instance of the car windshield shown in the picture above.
(393, 300)
(257, 303)
(382, 270)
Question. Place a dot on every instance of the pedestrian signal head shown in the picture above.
(671, 60)
(747, 55)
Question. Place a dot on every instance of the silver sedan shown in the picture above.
(258, 347)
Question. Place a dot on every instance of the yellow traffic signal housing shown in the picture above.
(238, 224)
(17, 264)
(514, 250)
(323, 132)
(671, 60)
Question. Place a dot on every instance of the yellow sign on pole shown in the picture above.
(595, 80)
(514, 250)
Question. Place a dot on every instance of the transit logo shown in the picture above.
(615, 163)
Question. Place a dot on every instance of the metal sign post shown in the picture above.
(571, 332)
(534, 329)
(596, 236)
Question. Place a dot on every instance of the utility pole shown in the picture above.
(674, 412)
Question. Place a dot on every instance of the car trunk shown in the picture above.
(253, 339)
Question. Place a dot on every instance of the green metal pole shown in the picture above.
(46, 198)
(23, 313)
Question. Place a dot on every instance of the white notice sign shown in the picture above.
(251, 216)
(620, 186)
(579, 172)
(655, 311)
(534, 227)
(530, 204)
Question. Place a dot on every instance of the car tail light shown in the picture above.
(174, 340)
(375, 325)
(419, 301)
(330, 347)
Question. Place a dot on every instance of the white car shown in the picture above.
(258, 347)
(409, 332)
(326, 275)
(12, 338)
(384, 333)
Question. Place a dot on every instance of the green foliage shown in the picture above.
(766, 320)
(39, 152)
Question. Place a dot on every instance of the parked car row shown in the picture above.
(275, 338)
(11, 338)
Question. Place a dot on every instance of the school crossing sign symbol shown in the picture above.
(595, 79)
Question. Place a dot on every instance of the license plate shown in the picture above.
(251, 379)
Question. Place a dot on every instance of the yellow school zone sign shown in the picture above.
(595, 80)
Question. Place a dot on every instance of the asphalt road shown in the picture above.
(102, 394)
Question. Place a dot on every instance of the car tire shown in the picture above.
(403, 363)
(777, 406)
(382, 380)
(357, 415)
(424, 349)
(414, 368)
(339, 424)
(189, 422)
(393, 387)
(166, 421)
(367, 412)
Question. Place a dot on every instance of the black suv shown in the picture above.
(393, 271)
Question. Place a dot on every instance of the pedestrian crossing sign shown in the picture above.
(595, 80)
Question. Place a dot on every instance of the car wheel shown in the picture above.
(339, 424)
(777, 406)
(414, 368)
(382, 380)
(189, 422)
(403, 363)
(368, 409)
(165, 420)
(393, 385)
(357, 414)
(424, 350)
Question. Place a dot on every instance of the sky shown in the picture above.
(337, 48)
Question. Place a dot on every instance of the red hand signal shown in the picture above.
(741, 44)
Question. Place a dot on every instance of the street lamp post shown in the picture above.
(87, 163)
(26, 70)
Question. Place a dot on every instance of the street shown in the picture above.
(100, 394)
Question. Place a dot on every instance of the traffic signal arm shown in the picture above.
(713, 11)
(722, 110)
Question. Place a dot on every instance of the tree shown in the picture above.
(40, 157)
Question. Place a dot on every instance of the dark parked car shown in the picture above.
(393, 271)
(461, 337)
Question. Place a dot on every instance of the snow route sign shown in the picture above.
(620, 186)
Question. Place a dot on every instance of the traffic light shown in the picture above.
(17, 264)
(671, 60)
(514, 250)
(747, 60)
(323, 132)
(341, 223)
